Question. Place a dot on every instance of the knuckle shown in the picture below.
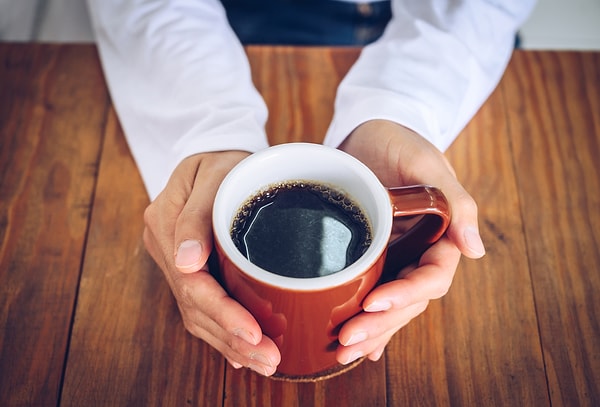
(440, 289)
(185, 294)
(467, 203)
(193, 321)
(235, 344)
(421, 307)
(146, 238)
(149, 213)
(189, 325)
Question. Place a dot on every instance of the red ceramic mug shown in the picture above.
(303, 315)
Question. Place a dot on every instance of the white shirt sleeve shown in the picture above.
(433, 68)
(180, 81)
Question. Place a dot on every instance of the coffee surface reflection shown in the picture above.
(301, 229)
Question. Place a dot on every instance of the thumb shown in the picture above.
(193, 230)
(190, 256)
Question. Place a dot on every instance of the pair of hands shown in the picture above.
(178, 235)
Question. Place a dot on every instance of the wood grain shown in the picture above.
(53, 102)
(468, 348)
(361, 386)
(87, 318)
(298, 85)
(554, 115)
(129, 346)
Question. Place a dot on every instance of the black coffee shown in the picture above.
(301, 229)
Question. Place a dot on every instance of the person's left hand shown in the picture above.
(399, 157)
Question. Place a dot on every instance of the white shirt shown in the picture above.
(181, 83)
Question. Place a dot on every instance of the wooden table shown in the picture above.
(87, 319)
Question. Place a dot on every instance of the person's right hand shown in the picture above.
(178, 236)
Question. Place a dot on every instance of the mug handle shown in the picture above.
(412, 201)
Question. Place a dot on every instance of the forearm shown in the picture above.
(180, 82)
(437, 62)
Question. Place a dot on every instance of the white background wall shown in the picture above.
(563, 24)
(554, 24)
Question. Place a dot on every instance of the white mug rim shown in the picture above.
(381, 230)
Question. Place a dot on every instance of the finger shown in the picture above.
(235, 364)
(262, 358)
(193, 234)
(206, 305)
(219, 321)
(378, 352)
(158, 236)
(347, 355)
(464, 228)
(209, 313)
(430, 280)
(153, 249)
(369, 326)
(402, 157)
(377, 338)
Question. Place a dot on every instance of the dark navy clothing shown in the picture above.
(307, 22)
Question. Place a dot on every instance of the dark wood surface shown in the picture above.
(87, 319)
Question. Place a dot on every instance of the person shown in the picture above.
(181, 84)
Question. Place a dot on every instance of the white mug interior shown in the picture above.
(307, 162)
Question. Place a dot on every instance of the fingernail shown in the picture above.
(375, 356)
(264, 367)
(474, 241)
(260, 358)
(356, 337)
(356, 355)
(235, 365)
(378, 306)
(187, 258)
(261, 369)
(245, 335)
